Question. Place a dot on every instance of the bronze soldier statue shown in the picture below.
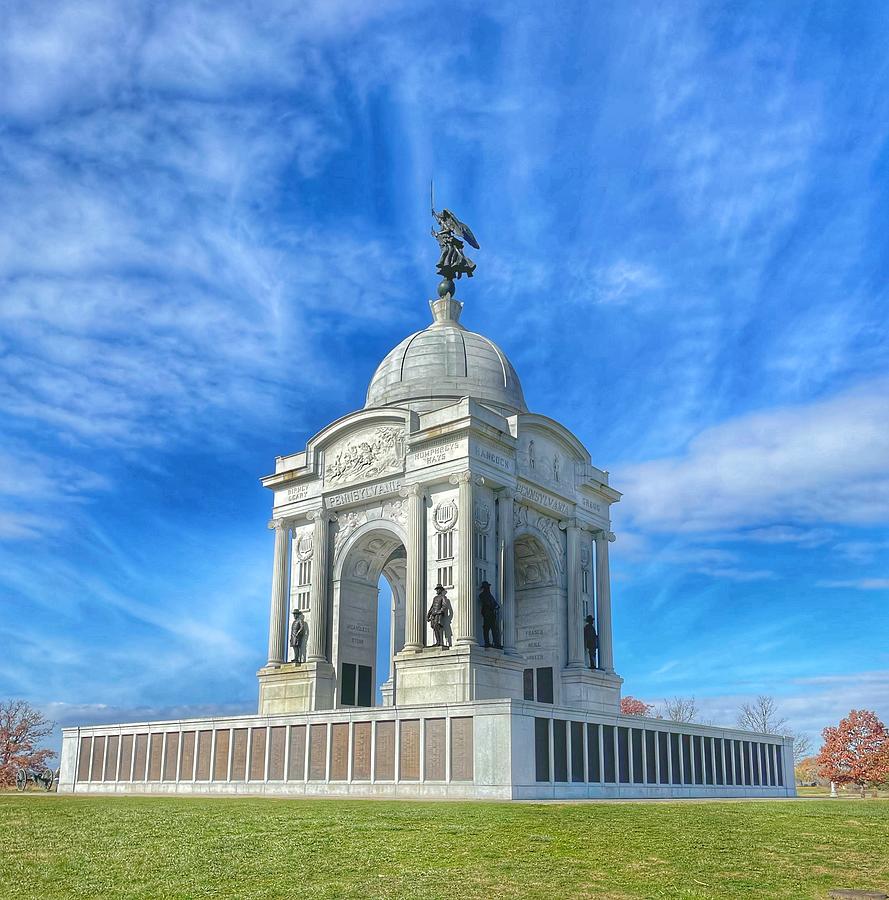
(298, 630)
(590, 640)
(490, 608)
(439, 613)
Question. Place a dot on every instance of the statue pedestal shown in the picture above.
(291, 688)
(592, 690)
(461, 673)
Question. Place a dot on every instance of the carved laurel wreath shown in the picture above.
(444, 516)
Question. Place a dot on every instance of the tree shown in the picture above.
(630, 706)
(679, 709)
(762, 715)
(22, 728)
(806, 770)
(856, 751)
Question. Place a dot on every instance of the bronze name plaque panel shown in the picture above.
(339, 752)
(125, 769)
(83, 761)
(361, 734)
(257, 755)
(409, 750)
(111, 757)
(205, 747)
(297, 768)
(172, 741)
(385, 752)
(318, 752)
(186, 757)
(98, 759)
(239, 754)
(155, 754)
(434, 750)
(141, 757)
(220, 763)
(277, 742)
(461, 749)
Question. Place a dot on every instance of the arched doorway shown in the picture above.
(363, 634)
(539, 598)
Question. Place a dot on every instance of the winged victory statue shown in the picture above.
(453, 262)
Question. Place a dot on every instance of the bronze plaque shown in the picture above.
(205, 748)
(155, 753)
(409, 750)
(239, 754)
(297, 765)
(111, 748)
(220, 762)
(339, 752)
(461, 749)
(83, 762)
(361, 751)
(384, 765)
(125, 769)
(434, 750)
(257, 755)
(98, 759)
(277, 737)
(141, 757)
(318, 752)
(186, 757)
(172, 738)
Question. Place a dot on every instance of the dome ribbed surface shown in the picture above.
(443, 363)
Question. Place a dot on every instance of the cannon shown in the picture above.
(44, 778)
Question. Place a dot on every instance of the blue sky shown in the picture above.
(214, 223)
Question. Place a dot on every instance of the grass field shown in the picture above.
(57, 846)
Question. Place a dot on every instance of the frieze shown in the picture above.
(367, 492)
(492, 458)
(437, 453)
(543, 499)
(591, 505)
(365, 456)
(297, 493)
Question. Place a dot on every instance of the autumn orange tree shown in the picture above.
(856, 751)
(630, 706)
(22, 728)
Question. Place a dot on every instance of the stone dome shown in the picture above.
(444, 362)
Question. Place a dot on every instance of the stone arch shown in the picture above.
(371, 549)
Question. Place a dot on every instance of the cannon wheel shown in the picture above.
(48, 777)
(21, 779)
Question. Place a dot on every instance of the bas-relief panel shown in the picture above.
(371, 453)
(546, 462)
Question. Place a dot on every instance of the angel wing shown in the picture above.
(460, 228)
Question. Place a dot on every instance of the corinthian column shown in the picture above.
(414, 607)
(278, 611)
(603, 601)
(575, 651)
(316, 651)
(467, 633)
(505, 535)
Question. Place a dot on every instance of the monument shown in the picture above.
(492, 526)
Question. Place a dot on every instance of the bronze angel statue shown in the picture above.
(453, 262)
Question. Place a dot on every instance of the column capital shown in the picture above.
(565, 524)
(505, 493)
(461, 477)
(279, 524)
(410, 490)
(603, 535)
(323, 513)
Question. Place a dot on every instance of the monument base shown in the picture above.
(292, 688)
(591, 689)
(459, 674)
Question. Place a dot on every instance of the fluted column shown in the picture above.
(506, 560)
(603, 601)
(467, 632)
(316, 650)
(278, 611)
(575, 650)
(414, 605)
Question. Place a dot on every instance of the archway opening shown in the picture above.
(369, 620)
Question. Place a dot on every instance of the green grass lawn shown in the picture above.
(62, 846)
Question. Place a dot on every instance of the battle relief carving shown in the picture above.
(370, 454)
(444, 516)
